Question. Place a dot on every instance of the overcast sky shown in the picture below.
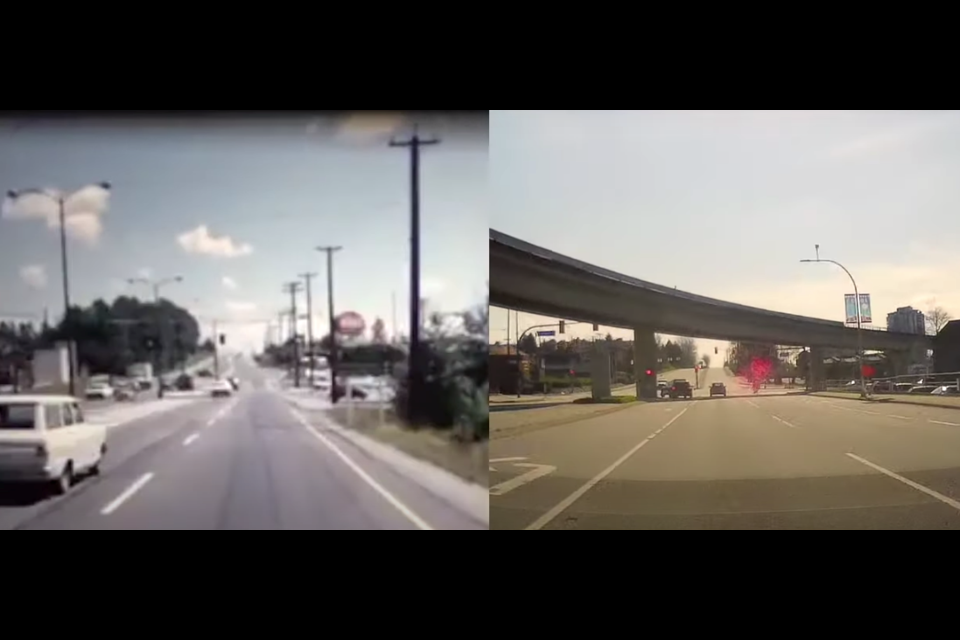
(236, 208)
(725, 203)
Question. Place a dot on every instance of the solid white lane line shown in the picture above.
(753, 404)
(125, 497)
(189, 441)
(395, 502)
(567, 502)
(910, 483)
(946, 424)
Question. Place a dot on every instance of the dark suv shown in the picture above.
(718, 389)
(681, 389)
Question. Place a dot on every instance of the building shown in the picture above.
(907, 320)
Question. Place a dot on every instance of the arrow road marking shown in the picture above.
(493, 462)
(538, 471)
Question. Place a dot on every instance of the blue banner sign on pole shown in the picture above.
(546, 334)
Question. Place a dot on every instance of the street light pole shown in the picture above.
(61, 201)
(856, 293)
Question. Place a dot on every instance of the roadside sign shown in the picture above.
(351, 323)
(546, 334)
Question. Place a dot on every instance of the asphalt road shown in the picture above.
(766, 461)
(247, 463)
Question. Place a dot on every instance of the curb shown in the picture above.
(889, 401)
(470, 499)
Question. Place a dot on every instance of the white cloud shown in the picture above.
(83, 211)
(230, 284)
(883, 141)
(240, 307)
(366, 126)
(202, 241)
(35, 276)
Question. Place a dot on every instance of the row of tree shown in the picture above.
(111, 336)
(680, 353)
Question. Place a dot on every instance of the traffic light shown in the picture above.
(716, 351)
(650, 372)
(563, 327)
(223, 339)
(596, 327)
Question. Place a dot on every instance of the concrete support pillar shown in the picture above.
(600, 370)
(818, 372)
(644, 358)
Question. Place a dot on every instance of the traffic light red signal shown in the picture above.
(649, 372)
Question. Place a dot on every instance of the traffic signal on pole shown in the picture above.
(223, 339)
(716, 351)
(650, 372)
(563, 327)
(596, 327)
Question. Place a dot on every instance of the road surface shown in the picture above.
(246, 463)
(766, 461)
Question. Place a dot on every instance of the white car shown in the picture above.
(46, 439)
(99, 391)
(221, 389)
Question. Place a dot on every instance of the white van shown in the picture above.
(47, 439)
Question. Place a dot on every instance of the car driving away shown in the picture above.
(99, 391)
(221, 389)
(681, 389)
(718, 389)
(47, 440)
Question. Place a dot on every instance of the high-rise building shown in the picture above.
(907, 320)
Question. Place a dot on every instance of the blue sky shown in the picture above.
(725, 203)
(236, 208)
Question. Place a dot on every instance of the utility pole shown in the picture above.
(333, 357)
(216, 350)
(293, 288)
(414, 373)
(308, 279)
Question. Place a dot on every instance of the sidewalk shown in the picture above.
(944, 402)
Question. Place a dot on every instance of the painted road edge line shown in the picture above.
(566, 503)
(395, 502)
(784, 422)
(946, 424)
(125, 497)
(950, 502)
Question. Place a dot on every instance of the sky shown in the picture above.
(726, 203)
(237, 208)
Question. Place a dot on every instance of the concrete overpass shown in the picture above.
(532, 279)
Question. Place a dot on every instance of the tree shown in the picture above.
(938, 317)
(379, 331)
(528, 345)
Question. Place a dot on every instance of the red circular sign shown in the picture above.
(351, 323)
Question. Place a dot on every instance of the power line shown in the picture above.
(332, 357)
(293, 288)
(308, 280)
(414, 369)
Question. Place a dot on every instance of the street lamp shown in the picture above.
(61, 199)
(856, 293)
(157, 285)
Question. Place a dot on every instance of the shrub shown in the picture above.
(454, 376)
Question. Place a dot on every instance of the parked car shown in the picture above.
(47, 440)
(99, 391)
